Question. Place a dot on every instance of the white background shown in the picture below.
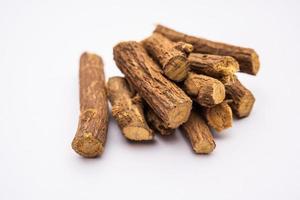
(40, 45)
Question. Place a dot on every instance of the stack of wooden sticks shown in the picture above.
(171, 80)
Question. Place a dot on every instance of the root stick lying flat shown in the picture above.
(247, 58)
(93, 121)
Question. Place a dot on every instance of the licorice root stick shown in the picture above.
(247, 57)
(93, 121)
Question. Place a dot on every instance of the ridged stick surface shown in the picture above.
(198, 133)
(166, 99)
(157, 124)
(247, 57)
(93, 121)
(206, 91)
(173, 61)
(213, 65)
(127, 109)
(243, 99)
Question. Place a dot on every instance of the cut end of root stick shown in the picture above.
(219, 117)
(243, 109)
(218, 92)
(179, 114)
(87, 146)
(204, 147)
(137, 133)
(177, 68)
(211, 96)
(227, 66)
(255, 62)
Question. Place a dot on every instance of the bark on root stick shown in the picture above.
(247, 58)
(153, 120)
(93, 121)
(243, 99)
(207, 91)
(198, 133)
(173, 61)
(219, 117)
(127, 109)
(157, 124)
(166, 99)
(213, 65)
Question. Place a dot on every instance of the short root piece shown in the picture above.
(207, 91)
(127, 109)
(198, 133)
